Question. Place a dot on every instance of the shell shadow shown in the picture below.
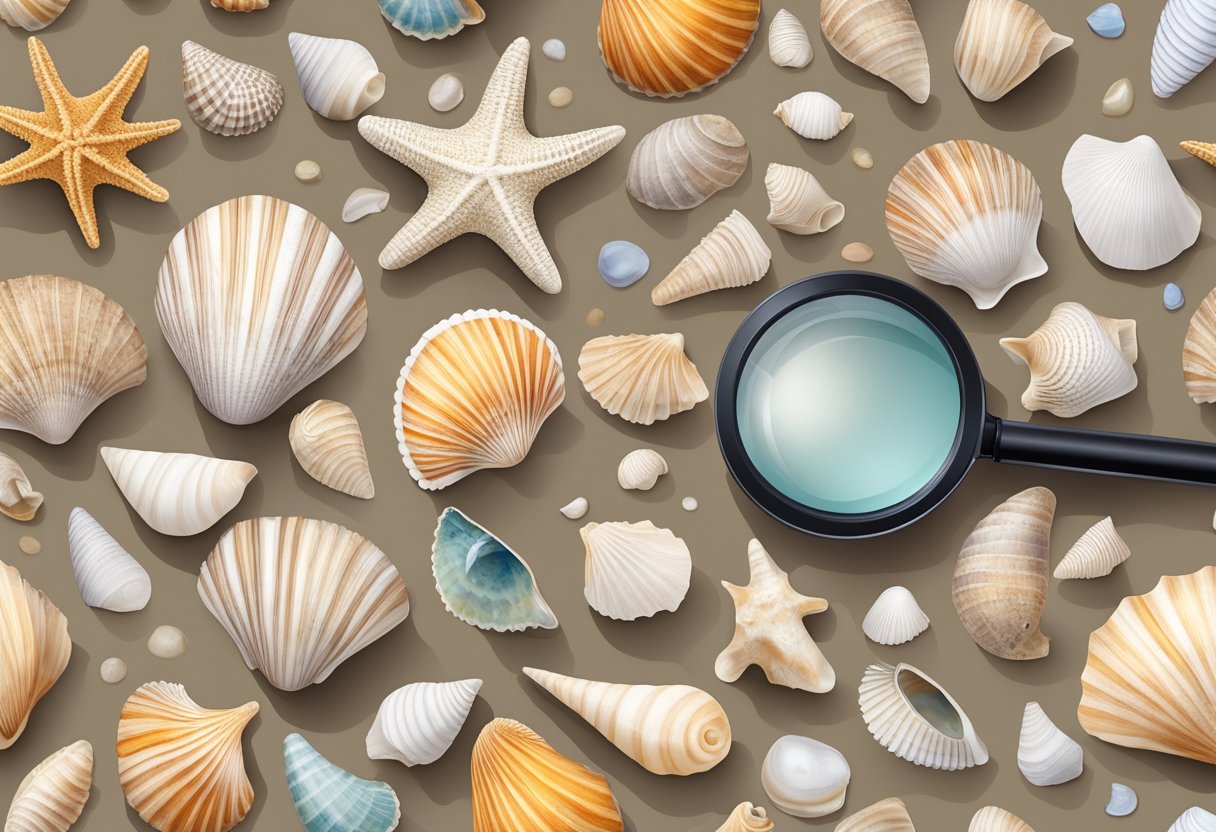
(666, 634)
(1042, 97)
(248, 24)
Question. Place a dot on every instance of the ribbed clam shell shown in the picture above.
(683, 162)
(813, 115)
(178, 494)
(18, 499)
(31, 15)
(634, 570)
(669, 48)
(915, 719)
(1046, 755)
(300, 596)
(639, 470)
(797, 203)
(1095, 554)
(53, 794)
(328, 444)
(106, 574)
(240, 5)
(1001, 44)
(804, 777)
(889, 815)
(1199, 352)
(883, 38)
(418, 723)
(181, 766)
(1194, 819)
(894, 618)
(1184, 46)
(473, 394)
(733, 254)
(747, 817)
(34, 650)
(1000, 579)
(996, 819)
(339, 78)
(788, 43)
(967, 214)
(641, 378)
(328, 798)
(428, 19)
(1127, 204)
(258, 299)
(227, 97)
(666, 729)
(1077, 360)
(64, 349)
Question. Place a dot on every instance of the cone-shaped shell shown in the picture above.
(64, 349)
(1199, 352)
(788, 43)
(431, 19)
(339, 78)
(666, 729)
(1077, 360)
(894, 618)
(258, 299)
(1194, 819)
(1201, 150)
(521, 783)
(18, 499)
(227, 97)
(797, 203)
(1046, 755)
(685, 161)
(328, 444)
(813, 115)
(634, 570)
(473, 394)
(1149, 681)
(34, 651)
(883, 38)
(181, 766)
(641, 378)
(672, 47)
(418, 723)
(52, 796)
(300, 596)
(106, 575)
(732, 254)
(996, 819)
(1001, 44)
(329, 798)
(889, 815)
(747, 817)
(178, 494)
(804, 777)
(1095, 554)
(1184, 46)
(639, 470)
(31, 15)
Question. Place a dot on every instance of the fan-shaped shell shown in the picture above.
(883, 38)
(31, 15)
(431, 19)
(1001, 44)
(1046, 755)
(339, 78)
(328, 444)
(106, 574)
(634, 570)
(1077, 360)
(666, 729)
(894, 618)
(521, 782)
(683, 162)
(669, 48)
(996, 819)
(788, 43)
(300, 596)
(473, 394)
(747, 817)
(797, 203)
(258, 299)
(889, 815)
(641, 378)
(813, 115)
(328, 798)
(640, 470)
(18, 499)
(1194, 819)
(227, 97)
(1184, 46)
(1127, 204)
(181, 766)
(1095, 554)
(1149, 681)
(240, 5)
(1199, 352)
(418, 723)
(804, 777)
(64, 349)
(53, 794)
(34, 650)
(732, 254)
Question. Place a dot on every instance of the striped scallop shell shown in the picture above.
(798, 203)
(813, 115)
(431, 19)
(34, 651)
(328, 798)
(227, 97)
(634, 570)
(641, 378)
(240, 5)
(106, 575)
(883, 38)
(747, 817)
(328, 444)
(31, 15)
(18, 499)
(1199, 352)
(996, 819)
(1184, 46)
(731, 255)
(1001, 44)
(889, 815)
(683, 162)
(1095, 554)
(52, 796)
(894, 618)
(788, 43)
(418, 723)
(339, 78)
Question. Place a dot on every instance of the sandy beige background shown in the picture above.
(1168, 527)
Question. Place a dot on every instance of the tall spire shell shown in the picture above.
(733, 254)
(883, 38)
(1184, 46)
(106, 574)
(339, 78)
(1001, 44)
(34, 651)
(53, 794)
(227, 97)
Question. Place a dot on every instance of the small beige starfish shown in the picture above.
(484, 176)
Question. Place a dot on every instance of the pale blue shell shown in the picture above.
(1172, 297)
(481, 581)
(1122, 801)
(427, 19)
(622, 263)
(1107, 20)
(331, 799)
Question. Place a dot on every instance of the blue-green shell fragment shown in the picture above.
(427, 19)
(329, 798)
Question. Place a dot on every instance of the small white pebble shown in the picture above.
(167, 642)
(1119, 98)
(113, 671)
(446, 93)
(863, 158)
(29, 545)
(576, 508)
(561, 97)
(689, 503)
(308, 171)
(595, 317)
(554, 49)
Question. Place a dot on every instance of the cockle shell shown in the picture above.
(1184, 46)
(473, 394)
(1194, 819)
(53, 794)
(915, 719)
(889, 815)
(1199, 352)
(227, 97)
(640, 470)
(339, 78)
(666, 729)
(418, 723)
(1046, 755)
(520, 782)
(788, 43)
(668, 48)
(431, 19)
(240, 5)
(64, 349)
(328, 798)
(18, 499)
(1149, 681)
(967, 214)
(106, 575)
(1095, 554)
(178, 494)
(1127, 203)
(996, 819)
(813, 115)
(31, 15)
(894, 618)
(883, 38)
(328, 444)
(300, 596)
(258, 299)
(797, 203)
(641, 378)
(1077, 360)
(634, 570)
(804, 777)
(683, 162)
(181, 766)
(1001, 44)
(732, 254)
(34, 650)
(747, 817)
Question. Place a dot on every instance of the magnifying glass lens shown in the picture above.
(849, 404)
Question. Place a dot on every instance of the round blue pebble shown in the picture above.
(622, 263)
(1172, 296)
(1107, 20)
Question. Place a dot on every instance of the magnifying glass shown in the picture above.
(850, 404)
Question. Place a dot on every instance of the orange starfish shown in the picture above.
(81, 143)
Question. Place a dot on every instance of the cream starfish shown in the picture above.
(484, 176)
(80, 143)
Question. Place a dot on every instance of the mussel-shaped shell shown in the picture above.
(31, 15)
(797, 203)
(329, 798)
(883, 38)
(34, 650)
(339, 78)
(1001, 44)
(685, 161)
(634, 570)
(328, 444)
(18, 499)
(416, 724)
(53, 794)
(1199, 352)
(641, 378)
(733, 254)
(227, 97)
(431, 19)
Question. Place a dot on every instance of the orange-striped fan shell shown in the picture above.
(34, 650)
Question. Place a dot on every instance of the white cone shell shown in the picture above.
(634, 570)
(813, 115)
(797, 203)
(106, 574)
(804, 777)
(1194, 819)
(731, 255)
(894, 618)
(418, 723)
(1046, 755)
(339, 78)
(1184, 46)
(788, 43)
(1095, 554)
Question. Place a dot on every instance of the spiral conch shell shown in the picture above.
(1000, 579)
(889, 815)
(1199, 352)
(339, 78)
(1184, 45)
(666, 729)
(797, 203)
(685, 161)
(34, 651)
(731, 255)
(996, 819)
(788, 43)
(1077, 360)
(1095, 554)
(1001, 44)
(641, 378)
(31, 15)
(52, 796)
(813, 115)
(883, 38)
(416, 724)
(18, 499)
(747, 817)
(227, 97)
(328, 444)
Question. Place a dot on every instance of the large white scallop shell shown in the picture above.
(883, 38)
(1095, 554)
(53, 794)
(804, 777)
(797, 203)
(106, 575)
(788, 43)
(732, 254)
(18, 499)
(813, 115)
(328, 444)
(339, 78)
(1046, 755)
(641, 378)
(634, 570)
(418, 723)
(894, 618)
(1001, 44)
(685, 161)
(227, 97)
(34, 650)
(31, 15)
(1184, 46)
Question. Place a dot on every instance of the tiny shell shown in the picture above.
(576, 509)
(307, 171)
(328, 444)
(797, 203)
(1046, 755)
(1107, 20)
(53, 794)
(641, 378)
(227, 97)
(339, 78)
(554, 49)
(18, 499)
(1001, 44)
(29, 545)
(1123, 801)
(883, 38)
(634, 570)
(1119, 98)
(894, 618)
(1171, 296)
(813, 115)
(1194, 819)
(113, 670)
(996, 819)
(418, 723)
(862, 158)
(363, 202)
(641, 469)
(747, 817)
(857, 253)
(167, 642)
(560, 97)
(622, 263)
(731, 255)
(788, 43)
(889, 815)
(106, 575)
(804, 777)
(685, 161)
(1095, 554)
(446, 93)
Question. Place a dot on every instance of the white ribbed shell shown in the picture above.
(31, 15)
(1046, 755)
(339, 78)
(733, 254)
(106, 574)
(1095, 554)
(634, 570)
(797, 203)
(788, 43)
(418, 723)
(1194, 819)
(53, 794)
(1184, 46)
(813, 115)
(894, 618)
(685, 161)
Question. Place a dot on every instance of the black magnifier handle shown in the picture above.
(1116, 454)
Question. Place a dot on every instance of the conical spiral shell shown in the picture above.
(339, 78)
(227, 97)
(666, 729)
(431, 19)
(1095, 554)
(1199, 352)
(1194, 819)
(328, 798)
(18, 499)
(64, 349)
(418, 723)
(53, 794)
(797, 203)
(106, 575)
(1046, 755)
(258, 299)
(328, 444)
(1001, 44)
(1077, 360)
(788, 43)
(813, 115)
(894, 618)
(34, 651)
(634, 570)
(473, 394)
(300, 596)
(181, 766)
(31, 15)
(996, 819)
(1184, 45)
(732, 254)
(747, 817)
(967, 214)
(641, 378)
(640, 470)
(883, 38)
(889, 815)
(683, 162)
(1000, 579)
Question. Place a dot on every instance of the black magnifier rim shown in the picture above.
(964, 452)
